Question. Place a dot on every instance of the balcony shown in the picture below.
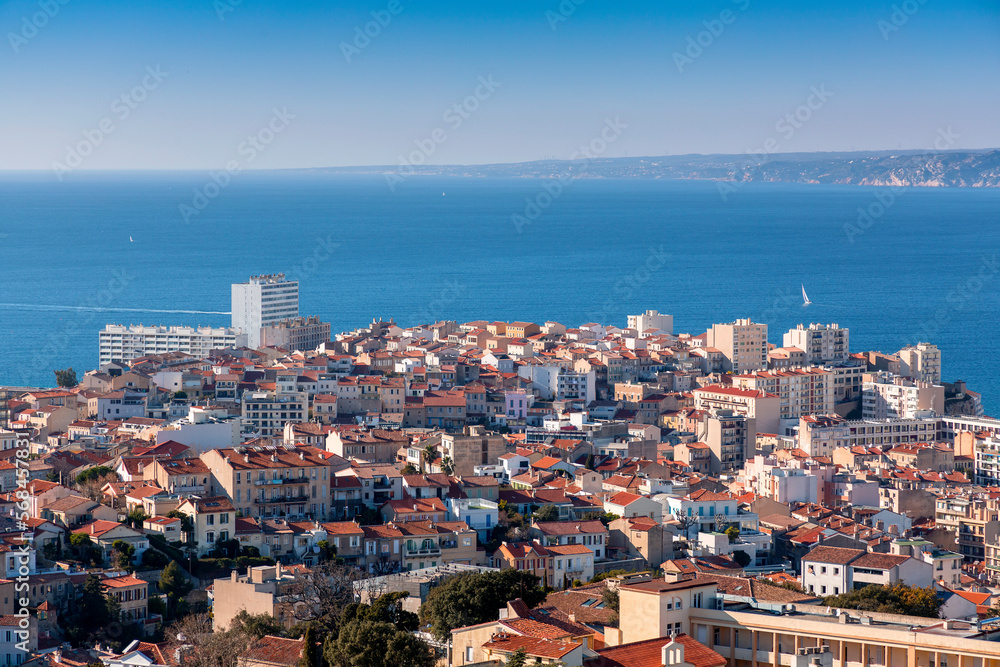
(279, 482)
(280, 499)
(422, 552)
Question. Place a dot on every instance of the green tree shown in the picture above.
(135, 517)
(733, 533)
(518, 658)
(66, 377)
(472, 598)
(122, 554)
(257, 625)
(174, 583)
(741, 558)
(447, 466)
(311, 653)
(94, 473)
(429, 455)
(94, 610)
(367, 643)
(589, 465)
(409, 469)
(547, 512)
(893, 599)
(610, 598)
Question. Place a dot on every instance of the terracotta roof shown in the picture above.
(543, 648)
(275, 650)
(833, 555)
(649, 654)
(879, 561)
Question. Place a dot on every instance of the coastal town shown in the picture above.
(600, 494)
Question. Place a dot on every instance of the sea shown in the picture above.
(894, 265)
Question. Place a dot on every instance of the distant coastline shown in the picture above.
(909, 168)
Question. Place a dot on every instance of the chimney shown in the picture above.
(233, 576)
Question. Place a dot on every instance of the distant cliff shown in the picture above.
(976, 169)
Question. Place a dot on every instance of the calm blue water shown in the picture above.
(924, 270)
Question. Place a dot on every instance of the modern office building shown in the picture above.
(263, 300)
(125, 343)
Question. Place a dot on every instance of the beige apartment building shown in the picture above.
(802, 391)
(272, 481)
(921, 362)
(753, 633)
(258, 592)
(754, 403)
(743, 345)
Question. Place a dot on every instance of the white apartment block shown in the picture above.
(121, 343)
(802, 391)
(743, 345)
(651, 319)
(819, 435)
(821, 343)
(264, 299)
(266, 413)
(921, 362)
(887, 396)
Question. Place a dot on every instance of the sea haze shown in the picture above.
(447, 248)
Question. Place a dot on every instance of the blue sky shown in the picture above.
(890, 84)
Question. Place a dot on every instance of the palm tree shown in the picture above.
(447, 465)
(429, 455)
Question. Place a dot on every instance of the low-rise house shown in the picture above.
(627, 504)
(592, 534)
(105, 533)
(131, 594)
(213, 520)
(639, 537)
(71, 511)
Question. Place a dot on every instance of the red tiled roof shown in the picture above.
(649, 654)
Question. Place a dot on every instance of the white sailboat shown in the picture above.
(805, 297)
(131, 240)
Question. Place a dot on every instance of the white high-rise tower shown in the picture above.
(263, 300)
